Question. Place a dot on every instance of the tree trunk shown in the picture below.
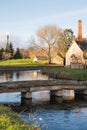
(49, 60)
(49, 55)
(64, 61)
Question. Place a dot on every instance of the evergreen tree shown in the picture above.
(7, 49)
(11, 50)
(17, 54)
(1, 53)
(2, 50)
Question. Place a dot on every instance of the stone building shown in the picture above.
(75, 53)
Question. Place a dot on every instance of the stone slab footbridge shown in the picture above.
(57, 87)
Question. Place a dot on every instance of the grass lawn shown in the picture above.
(71, 73)
(10, 121)
(22, 62)
(66, 73)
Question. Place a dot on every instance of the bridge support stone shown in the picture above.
(84, 92)
(27, 95)
(65, 94)
(26, 102)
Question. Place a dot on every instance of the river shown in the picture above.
(48, 112)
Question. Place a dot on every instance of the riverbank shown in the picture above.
(23, 68)
(65, 73)
(53, 71)
(9, 120)
(23, 64)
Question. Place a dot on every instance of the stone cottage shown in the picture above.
(76, 52)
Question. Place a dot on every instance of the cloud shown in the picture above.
(54, 17)
(21, 42)
(75, 13)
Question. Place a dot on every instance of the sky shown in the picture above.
(22, 18)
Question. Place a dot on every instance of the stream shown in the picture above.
(48, 112)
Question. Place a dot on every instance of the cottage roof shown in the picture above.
(42, 57)
(82, 45)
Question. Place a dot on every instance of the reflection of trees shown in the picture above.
(33, 74)
(30, 75)
(37, 75)
(21, 75)
(17, 75)
(9, 76)
(2, 73)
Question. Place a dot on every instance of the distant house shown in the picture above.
(34, 53)
(75, 53)
(56, 59)
(39, 58)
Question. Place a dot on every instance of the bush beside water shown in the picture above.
(10, 121)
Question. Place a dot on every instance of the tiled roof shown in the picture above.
(42, 57)
(82, 45)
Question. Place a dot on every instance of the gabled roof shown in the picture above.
(82, 45)
(42, 57)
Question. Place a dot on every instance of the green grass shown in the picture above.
(71, 73)
(10, 121)
(21, 62)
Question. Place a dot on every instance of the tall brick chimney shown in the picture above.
(79, 37)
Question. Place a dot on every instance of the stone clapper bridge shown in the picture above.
(57, 87)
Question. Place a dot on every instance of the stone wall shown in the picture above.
(77, 66)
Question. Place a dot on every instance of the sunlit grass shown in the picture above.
(72, 73)
(21, 62)
(66, 73)
(10, 121)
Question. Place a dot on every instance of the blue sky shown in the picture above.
(21, 18)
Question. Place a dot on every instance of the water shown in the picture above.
(46, 111)
(62, 119)
(18, 76)
(22, 75)
(58, 116)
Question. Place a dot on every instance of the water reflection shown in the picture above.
(43, 97)
(10, 98)
(22, 75)
(15, 98)
(40, 97)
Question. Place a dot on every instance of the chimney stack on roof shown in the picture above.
(79, 37)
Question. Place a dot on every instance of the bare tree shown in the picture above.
(47, 39)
